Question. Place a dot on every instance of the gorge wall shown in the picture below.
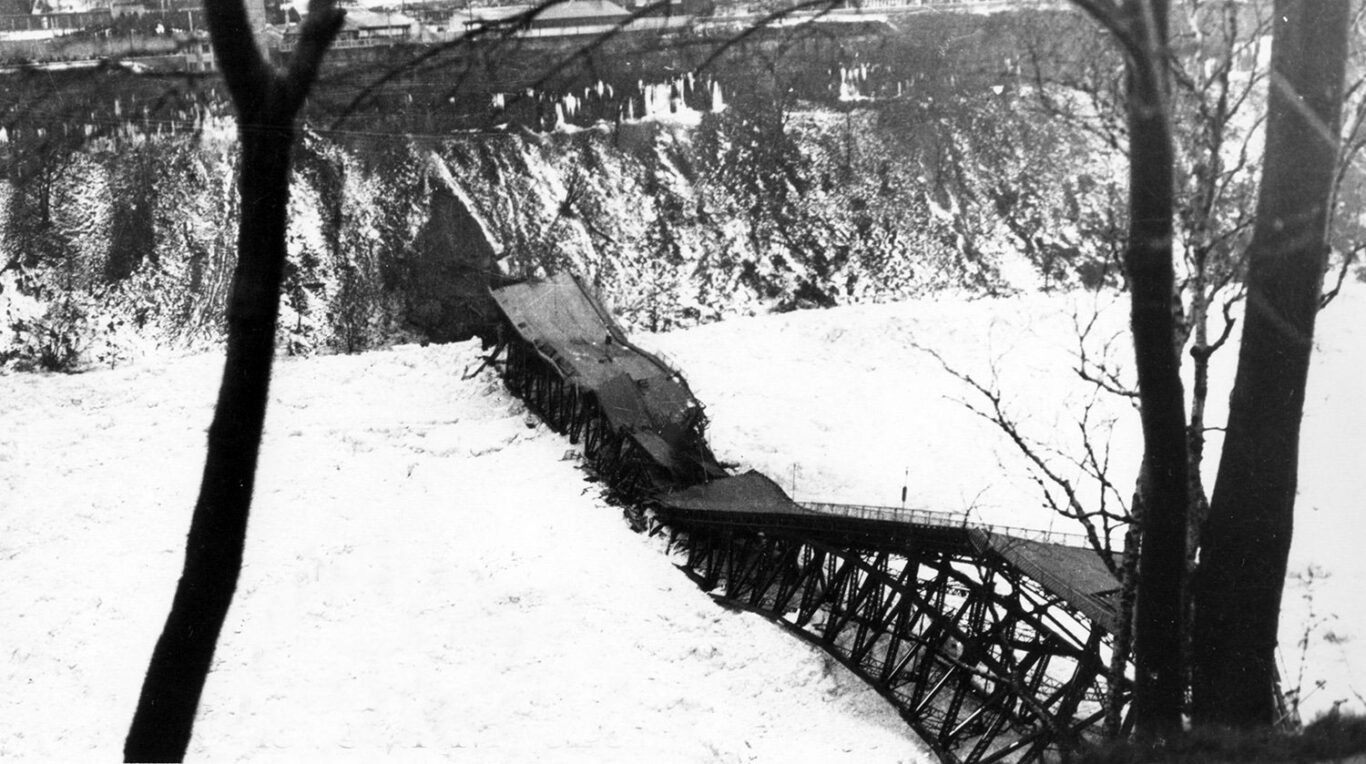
(119, 237)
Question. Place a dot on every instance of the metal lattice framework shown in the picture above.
(981, 646)
(982, 661)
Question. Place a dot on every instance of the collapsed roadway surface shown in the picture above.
(991, 644)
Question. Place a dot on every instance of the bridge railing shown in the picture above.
(942, 520)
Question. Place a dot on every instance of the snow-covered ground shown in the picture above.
(427, 577)
(877, 411)
(848, 406)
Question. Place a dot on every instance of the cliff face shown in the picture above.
(805, 167)
(455, 261)
(126, 242)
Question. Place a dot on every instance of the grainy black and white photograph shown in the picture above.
(683, 381)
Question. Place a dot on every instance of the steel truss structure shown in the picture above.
(988, 657)
(982, 662)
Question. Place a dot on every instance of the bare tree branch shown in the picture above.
(1071, 506)
(1348, 258)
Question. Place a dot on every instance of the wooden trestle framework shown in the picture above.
(988, 655)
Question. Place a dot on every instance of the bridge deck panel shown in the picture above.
(562, 321)
(751, 493)
(753, 499)
(1079, 576)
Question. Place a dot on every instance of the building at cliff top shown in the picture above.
(362, 28)
(43, 20)
(575, 17)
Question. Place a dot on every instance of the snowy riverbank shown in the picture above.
(878, 412)
(426, 577)
(429, 576)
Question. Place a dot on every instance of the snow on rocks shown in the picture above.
(426, 577)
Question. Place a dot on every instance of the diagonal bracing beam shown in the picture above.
(982, 665)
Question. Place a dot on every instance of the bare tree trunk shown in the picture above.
(1159, 688)
(1124, 636)
(1140, 27)
(267, 104)
(1247, 536)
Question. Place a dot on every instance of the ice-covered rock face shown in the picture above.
(812, 177)
(679, 218)
(455, 261)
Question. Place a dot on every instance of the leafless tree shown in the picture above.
(267, 103)
(1247, 537)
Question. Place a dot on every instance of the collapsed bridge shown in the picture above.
(994, 646)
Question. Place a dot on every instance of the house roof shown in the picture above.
(578, 9)
(359, 18)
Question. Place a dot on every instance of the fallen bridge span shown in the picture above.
(993, 646)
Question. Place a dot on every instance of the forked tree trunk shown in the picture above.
(1140, 27)
(1247, 535)
(1159, 684)
(267, 104)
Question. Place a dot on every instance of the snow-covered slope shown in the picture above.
(846, 405)
(428, 576)
(878, 411)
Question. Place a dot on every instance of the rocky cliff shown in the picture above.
(119, 238)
